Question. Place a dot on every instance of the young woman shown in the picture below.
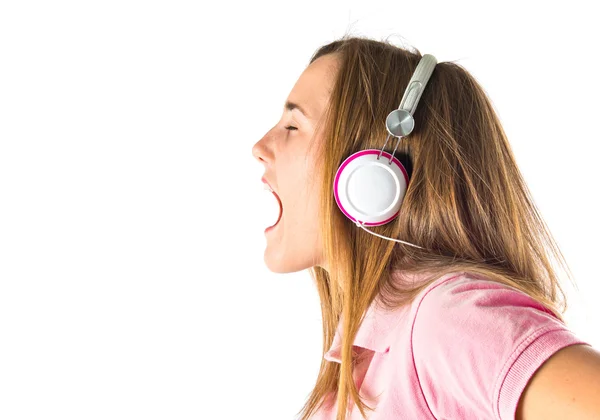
(434, 268)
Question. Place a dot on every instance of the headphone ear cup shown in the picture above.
(369, 188)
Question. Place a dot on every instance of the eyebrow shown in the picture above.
(291, 105)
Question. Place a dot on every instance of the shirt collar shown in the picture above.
(374, 333)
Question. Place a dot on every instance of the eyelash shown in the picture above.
(289, 127)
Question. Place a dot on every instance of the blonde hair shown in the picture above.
(466, 204)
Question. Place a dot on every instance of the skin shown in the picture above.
(566, 386)
(290, 162)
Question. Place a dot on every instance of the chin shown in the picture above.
(281, 266)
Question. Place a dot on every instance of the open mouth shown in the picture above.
(268, 188)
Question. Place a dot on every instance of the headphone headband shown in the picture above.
(400, 122)
(417, 83)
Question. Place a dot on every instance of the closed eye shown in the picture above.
(290, 128)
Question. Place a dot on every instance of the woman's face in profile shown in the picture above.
(294, 242)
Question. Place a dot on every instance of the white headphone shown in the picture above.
(368, 190)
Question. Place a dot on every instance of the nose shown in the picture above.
(256, 151)
(260, 150)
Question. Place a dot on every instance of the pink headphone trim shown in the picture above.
(350, 159)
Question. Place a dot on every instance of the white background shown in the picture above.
(132, 282)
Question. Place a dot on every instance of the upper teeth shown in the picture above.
(268, 188)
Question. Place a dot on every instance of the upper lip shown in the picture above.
(267, 182)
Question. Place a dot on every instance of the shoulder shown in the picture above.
(476, 342)
(468, 310)
(464, 293)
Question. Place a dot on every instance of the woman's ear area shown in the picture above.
(406, 161)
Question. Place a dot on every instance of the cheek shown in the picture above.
(298, 178)
(302, 197)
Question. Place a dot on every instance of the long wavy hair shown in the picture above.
(466, 203)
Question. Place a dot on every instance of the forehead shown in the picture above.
(313, 88)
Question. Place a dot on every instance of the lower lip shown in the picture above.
(270, 228)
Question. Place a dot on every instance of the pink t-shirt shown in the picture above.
(464, 348)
